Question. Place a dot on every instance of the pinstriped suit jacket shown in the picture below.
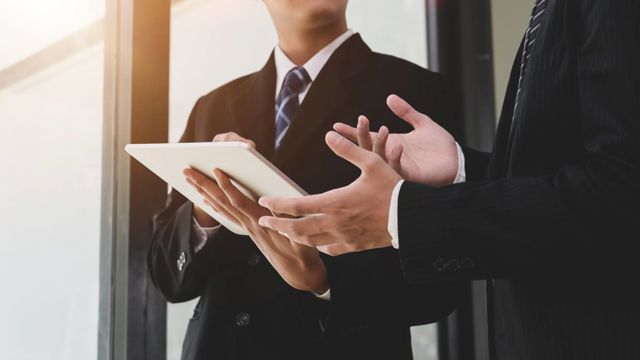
(551, 214)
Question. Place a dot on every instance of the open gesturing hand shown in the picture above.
(348, 219)
(427, 155)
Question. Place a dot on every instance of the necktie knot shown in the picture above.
(296, 80)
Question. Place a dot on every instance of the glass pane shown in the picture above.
(239, 38)
(50, 156)
(27, 27)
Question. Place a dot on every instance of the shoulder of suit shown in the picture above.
(401, 70)
(227, 91)
(397, 64)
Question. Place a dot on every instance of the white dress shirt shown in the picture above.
(392, 227)
(283, 66)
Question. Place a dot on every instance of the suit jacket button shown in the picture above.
(439, 265)
(467, 264)
(254, 259)
(453, 265)
(243, 319)
(181, 261)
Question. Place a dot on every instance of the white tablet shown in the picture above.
(253, 174)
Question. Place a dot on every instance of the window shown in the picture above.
(50, 154)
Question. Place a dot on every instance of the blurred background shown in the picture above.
(53, 130)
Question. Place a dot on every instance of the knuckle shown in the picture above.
(222, 201)
(220, 137)
(225, 185)
(296, 230)
(304, 240)
(370, 163)
(238, 202)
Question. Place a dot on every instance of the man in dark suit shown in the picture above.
(549, 217)
(263, 296)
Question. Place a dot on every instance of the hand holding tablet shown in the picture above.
(254, 175)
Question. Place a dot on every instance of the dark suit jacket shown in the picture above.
(246, 311)
(552, 212)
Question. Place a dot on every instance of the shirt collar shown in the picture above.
(313, 66)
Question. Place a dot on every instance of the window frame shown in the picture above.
(132, 314)
(460, 45)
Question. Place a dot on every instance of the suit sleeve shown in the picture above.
(176, 269)
(476, 163)
(369, 292)
(580, 219)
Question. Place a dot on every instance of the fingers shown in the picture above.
(349, 151)
(347, 131)
(362, 134)
(205, 186)
(394, 158)
(214, 196)
(307, 205)
(222, 211)
(237, 199)
(406, 112)
(231, 136)
(380, 142)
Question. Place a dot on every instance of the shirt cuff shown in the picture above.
(202, 234)
(392, 226)
(462, 174)
(326, 296)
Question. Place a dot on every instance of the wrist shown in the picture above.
(322, 287)
(320, 283)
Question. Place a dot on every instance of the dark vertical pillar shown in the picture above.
(132, 314)
(460, 47)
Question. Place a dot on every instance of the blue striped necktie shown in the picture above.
(287, 103)
(539, 8)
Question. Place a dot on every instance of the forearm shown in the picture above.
(476, 163)
(172, 257)
(522, 226)
(554, 224)
(368, 290)
(183, 255)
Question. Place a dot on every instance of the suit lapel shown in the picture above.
(252, 110)
(335, 86)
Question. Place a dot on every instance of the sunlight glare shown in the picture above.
(27, 26)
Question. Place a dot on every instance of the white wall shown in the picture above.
(509, 19)
(50, 173)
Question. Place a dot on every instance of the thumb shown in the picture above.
(395, 157)
(406, 112)
(348, 150)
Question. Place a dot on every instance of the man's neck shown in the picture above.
(300, 46)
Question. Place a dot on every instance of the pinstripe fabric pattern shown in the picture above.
(535, 22)
(552, 212)
(287, 103)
